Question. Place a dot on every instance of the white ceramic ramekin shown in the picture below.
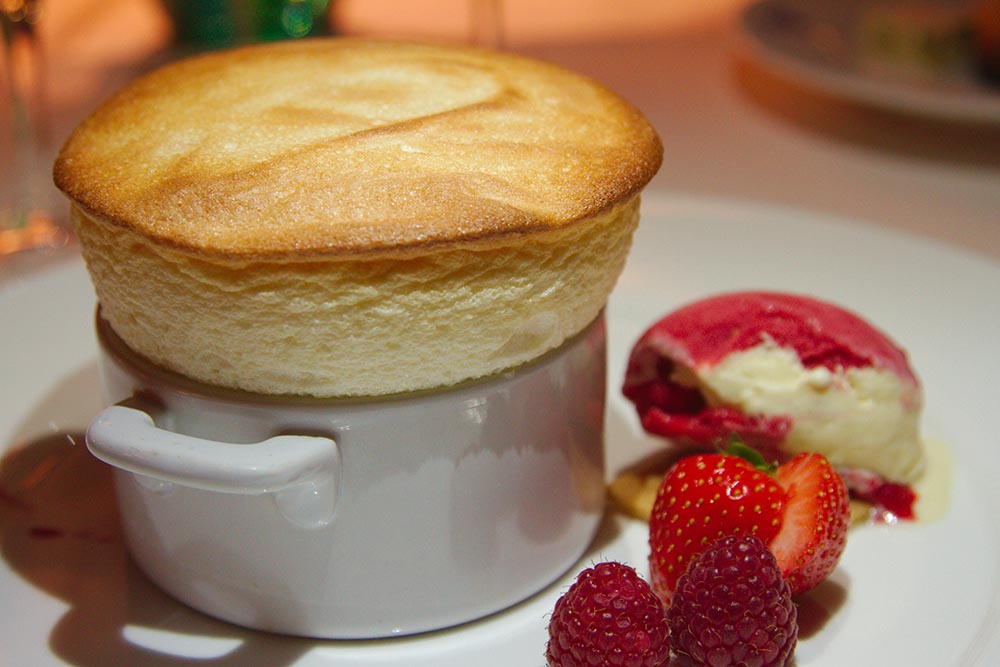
(357, 518)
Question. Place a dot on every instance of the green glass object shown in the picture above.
(220, 23)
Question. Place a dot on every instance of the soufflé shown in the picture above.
(351, 217)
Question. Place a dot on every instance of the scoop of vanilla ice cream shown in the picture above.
(857, 417)
(786, 373)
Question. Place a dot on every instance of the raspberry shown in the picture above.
(732, 607)
(608, 617)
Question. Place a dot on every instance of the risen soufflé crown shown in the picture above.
(344, 217)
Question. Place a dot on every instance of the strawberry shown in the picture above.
(702, 498)
(799, 510)
(817, 515)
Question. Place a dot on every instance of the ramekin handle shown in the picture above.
(303, 472)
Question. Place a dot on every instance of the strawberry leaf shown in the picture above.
(737, 447)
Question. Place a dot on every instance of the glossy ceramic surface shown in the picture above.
(921, 595)
(357, 518)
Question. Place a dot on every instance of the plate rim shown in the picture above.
(887, 94)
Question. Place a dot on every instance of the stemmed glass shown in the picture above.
(487, 23)
(24, 224)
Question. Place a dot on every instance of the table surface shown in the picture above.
(732, 129)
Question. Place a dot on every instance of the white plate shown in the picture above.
(814, 42)
(918, 595)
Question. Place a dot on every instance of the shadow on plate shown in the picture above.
(818, 606)
(59, 531)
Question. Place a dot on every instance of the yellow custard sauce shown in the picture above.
(633, 490)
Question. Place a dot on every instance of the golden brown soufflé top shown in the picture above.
(352, 147)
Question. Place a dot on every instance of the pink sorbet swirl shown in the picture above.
(822, 334)
(701, 334)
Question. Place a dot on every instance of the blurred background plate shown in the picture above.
(911, 57)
